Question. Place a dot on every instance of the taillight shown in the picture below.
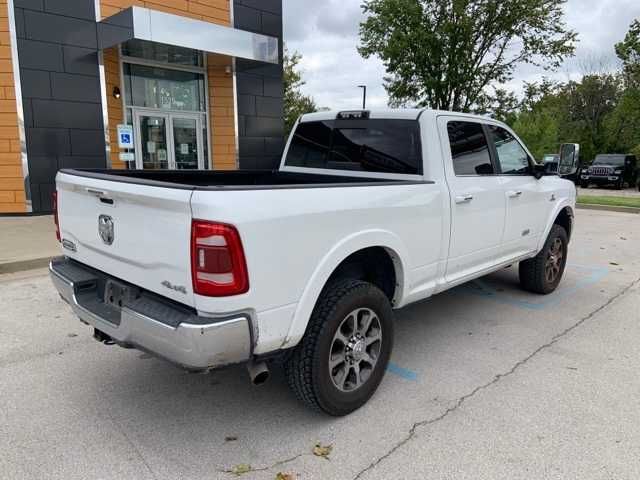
(54, 204)
(218, 266)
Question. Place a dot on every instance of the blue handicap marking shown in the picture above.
(402, 372)
(591, 275)
(125, 138)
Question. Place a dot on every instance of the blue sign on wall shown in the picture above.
(125, 136)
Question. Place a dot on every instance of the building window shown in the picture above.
(161, 53)
(164, 89)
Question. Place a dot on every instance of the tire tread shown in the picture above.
(298, 367)
(531, 271)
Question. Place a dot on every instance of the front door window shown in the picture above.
(185, 141)
(153, 140)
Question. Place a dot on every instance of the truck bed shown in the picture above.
(233, 180)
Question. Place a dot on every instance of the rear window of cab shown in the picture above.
(362, 145)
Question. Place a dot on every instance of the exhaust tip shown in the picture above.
(261, 378)
(258, 373)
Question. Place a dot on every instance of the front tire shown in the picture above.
(343, 356)
(542, 274)
(584, 184)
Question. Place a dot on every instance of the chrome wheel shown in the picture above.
(553, 265)
(355, 349)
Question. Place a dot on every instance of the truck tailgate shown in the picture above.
(134, 232)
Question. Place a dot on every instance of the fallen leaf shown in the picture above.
(622, 238)
(322, 450)
(241, 469)
(614, 264)
(72, 335)
(230, 438)
(285, 476)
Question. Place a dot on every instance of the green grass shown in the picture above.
(610, 201)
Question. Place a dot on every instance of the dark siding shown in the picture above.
(260, 89)
(57, 47)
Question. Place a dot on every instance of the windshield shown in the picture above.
(364, 145)
(616, 160)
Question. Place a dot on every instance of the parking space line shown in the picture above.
(402, 372)
(484, 289)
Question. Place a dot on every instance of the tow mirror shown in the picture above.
(569, 158)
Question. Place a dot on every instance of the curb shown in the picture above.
(23, 265)
(607, 208)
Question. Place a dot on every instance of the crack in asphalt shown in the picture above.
(425, 423)
(133, 446)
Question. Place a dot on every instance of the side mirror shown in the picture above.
(540, 171)
(569, 158)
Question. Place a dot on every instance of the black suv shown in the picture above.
(613, 169)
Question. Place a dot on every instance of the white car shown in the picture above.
(369, 211)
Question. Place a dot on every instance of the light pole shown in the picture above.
(364, 96)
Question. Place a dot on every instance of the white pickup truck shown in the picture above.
(368, 212)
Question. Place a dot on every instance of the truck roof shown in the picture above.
(391, 113)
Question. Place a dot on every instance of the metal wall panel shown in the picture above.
(57, 46)
(260, 89)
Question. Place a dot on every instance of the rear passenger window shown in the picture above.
(513, 159)
(469, 149)
(361, 145)
(310, 146)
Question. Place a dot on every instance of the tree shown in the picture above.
(542, 117)
(590, 102)
(445, 53)
(624, 123)
(295, 102)
(629, 52)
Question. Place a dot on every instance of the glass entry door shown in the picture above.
(186, 146)
(172, 141)
(153, 142)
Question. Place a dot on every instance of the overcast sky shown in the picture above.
(325, 32)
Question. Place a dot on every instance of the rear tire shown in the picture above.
(542, 274)
(343, 356)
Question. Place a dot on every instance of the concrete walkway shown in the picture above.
(26, 243)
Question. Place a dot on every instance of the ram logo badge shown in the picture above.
(106, 229)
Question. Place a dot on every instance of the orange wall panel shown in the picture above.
(12, 196)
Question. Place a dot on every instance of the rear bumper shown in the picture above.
(152, 325)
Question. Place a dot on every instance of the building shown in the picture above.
(191, 84)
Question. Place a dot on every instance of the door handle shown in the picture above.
(464, 199)
(97, 193)
(514, 194)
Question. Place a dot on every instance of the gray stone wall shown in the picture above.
(57, 49)
(260, 89)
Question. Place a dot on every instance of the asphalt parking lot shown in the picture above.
(487, 382)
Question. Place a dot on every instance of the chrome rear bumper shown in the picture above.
(190, 341)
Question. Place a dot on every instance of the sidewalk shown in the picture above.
(26, 243)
